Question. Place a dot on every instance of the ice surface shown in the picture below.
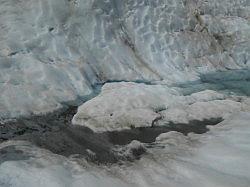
(42, 168)
(55, 51)
(219, 158)
(125, 105)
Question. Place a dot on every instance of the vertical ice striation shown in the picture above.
(54, 51)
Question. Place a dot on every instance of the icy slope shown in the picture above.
(55, 51)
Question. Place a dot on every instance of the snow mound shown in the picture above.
(127, 105)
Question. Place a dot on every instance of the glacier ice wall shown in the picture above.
(55, 51)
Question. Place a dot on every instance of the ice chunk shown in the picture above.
(127, 105)
(124, 105)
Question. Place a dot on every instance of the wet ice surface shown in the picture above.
(218, 158)
(235, 81)
(54, 52)
(56, 133)
(149, 134)
(49, 150)
(123, 105)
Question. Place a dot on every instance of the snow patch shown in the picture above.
(126, 105)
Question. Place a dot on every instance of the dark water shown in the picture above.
(149, 134)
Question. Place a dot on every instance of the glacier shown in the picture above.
(131, 93)
(55, 52)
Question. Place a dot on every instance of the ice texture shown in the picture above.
(42, 168)
(55, 51)
(126, 105)
(159, 61)
(219, 158)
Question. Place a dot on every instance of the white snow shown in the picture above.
(125, 105)
(122, 105)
